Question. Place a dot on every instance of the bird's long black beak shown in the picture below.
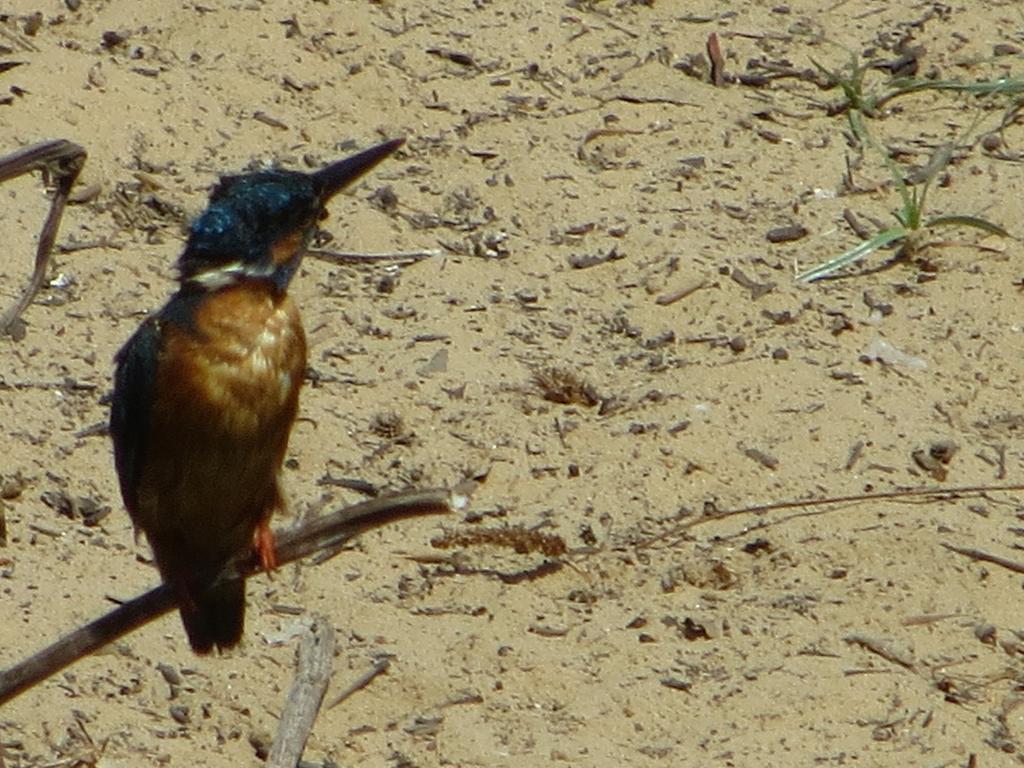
(336, 176)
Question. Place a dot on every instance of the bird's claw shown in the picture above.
(266, 549)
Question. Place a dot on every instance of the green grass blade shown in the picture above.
(1013, 86)
(856, 253)
(857, 127)
(956, 220)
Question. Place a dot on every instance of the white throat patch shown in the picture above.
(228, 274)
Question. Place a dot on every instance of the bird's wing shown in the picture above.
(134, 390)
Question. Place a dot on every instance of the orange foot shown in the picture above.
(263, 541)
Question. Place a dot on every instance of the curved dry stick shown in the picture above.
(63, 161)
(327, 532)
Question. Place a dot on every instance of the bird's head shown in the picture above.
(258, 225)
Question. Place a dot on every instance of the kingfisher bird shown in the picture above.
(207, 388)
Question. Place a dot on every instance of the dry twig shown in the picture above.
(914, 494)
(985, 557)
(347, 257)
(885, 648)
(380, 666)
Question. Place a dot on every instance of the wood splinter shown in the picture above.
(313, 673)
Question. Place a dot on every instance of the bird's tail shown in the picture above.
(214, 616)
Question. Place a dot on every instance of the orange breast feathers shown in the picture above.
(244, 365)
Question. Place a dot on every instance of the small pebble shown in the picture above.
(169, 673)
(32, 23)
(991, 142)
(986, 633)
(388, 283)
(786, 234)
(526, 296)
(111, 39)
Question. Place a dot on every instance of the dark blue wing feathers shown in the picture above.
(134, 391)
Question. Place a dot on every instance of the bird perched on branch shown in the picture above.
(206, 390)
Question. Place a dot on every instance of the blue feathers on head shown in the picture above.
(246, 216)
(249, 228)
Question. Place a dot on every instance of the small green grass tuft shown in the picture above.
(913, 227)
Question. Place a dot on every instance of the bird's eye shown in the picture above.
(322, 214)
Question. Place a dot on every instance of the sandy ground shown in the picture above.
(601, 211)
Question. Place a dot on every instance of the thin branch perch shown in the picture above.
(322, 533)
